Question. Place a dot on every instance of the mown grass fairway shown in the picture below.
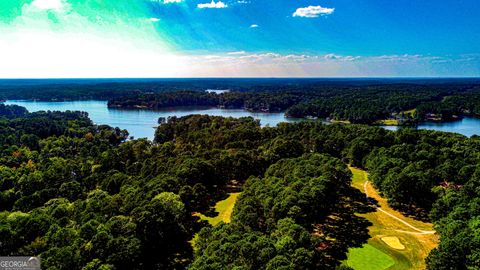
(224, 209)
(417, 245)
(369, 258)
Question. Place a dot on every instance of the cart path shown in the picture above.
(418, 231)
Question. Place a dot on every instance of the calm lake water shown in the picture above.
(467, 126)
(141, 123)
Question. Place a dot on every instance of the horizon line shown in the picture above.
(280, 77)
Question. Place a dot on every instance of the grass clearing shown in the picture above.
(368, 258)
(388, 122)
(416, 246)
(410, 112)
(340, 121)
(223, 208)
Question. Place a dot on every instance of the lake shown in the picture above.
(141, 123)
(467, 126)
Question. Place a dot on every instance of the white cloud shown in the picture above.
(313, 11)
(254, 26)
(242, 58)
(212, 4)
(237, 53)
(271, 64)
(166, 1)
(335, 57)
(153, 19)
(49, 4)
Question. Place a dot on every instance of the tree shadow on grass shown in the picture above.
(345, 229)
(360, 203)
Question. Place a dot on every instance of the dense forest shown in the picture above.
(365, 104)
(82, 197)
(12, 111)
(104, 89)
(266, 102)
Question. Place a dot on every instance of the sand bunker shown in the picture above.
(393, 242)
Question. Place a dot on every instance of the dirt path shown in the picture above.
(419, 231)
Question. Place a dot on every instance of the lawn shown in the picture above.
(224, 209)
(416, 246)
(410, 112)
(340, 121)
(368, 258)
(388, 122)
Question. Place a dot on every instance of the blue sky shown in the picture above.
(239, 38)
(358, 27)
